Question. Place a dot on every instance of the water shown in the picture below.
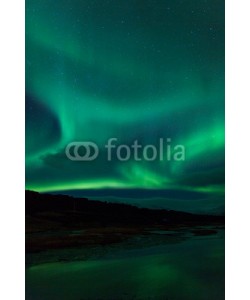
(192, 269)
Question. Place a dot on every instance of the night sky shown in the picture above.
(133, 70)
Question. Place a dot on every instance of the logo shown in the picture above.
(162, 151)
(90, 151)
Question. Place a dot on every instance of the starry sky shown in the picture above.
(134, 70)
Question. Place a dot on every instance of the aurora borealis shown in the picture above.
(132, 70)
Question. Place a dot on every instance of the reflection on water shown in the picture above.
(192, 269)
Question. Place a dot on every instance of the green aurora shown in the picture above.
(134, 70)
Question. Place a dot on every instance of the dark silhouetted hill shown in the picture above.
(60, 222)
(71, 210)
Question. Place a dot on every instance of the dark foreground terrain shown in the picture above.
(80, 249)
(59, 221)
